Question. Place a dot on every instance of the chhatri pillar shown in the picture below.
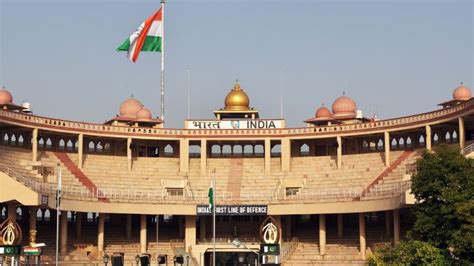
(183, 156)
(462, 133)
(80, 150)
(386, 143)
(428, 138)
(34, 145)
(285, 154)
(203, 157)
(129, 153)
(268, 156)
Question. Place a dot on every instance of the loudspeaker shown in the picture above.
(117, 260)
(161, 259)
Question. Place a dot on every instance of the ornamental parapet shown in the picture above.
(60, 125)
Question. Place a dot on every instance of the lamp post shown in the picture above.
(237, 243)
(106, 259)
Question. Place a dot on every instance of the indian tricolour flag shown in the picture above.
(147, 38)
(210, 195)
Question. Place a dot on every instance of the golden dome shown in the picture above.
(237, 100)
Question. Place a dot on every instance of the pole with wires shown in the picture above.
(58, 207)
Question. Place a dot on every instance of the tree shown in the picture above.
(410, 252)
(444, 189)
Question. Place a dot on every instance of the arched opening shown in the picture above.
(194, 151)
(365, 145)
(107, 147)
(380, 145)
(69, 145)
(401, 143)
(19, 213)
(276, 150)
(91, 146)
(21, 140)
(408, 142)
(248, 150)
(47, 215)
(39, 215)
(169, 151)
(13, 140)
(41, 143)
(4, 213)
(215, 150)
(99, 147)
(304, 150)
(454, 136)
(49, 143)
(394, 145)
(259, 151)
(62, 144)
(421, 141)
(435, 138)
(226, 150)
(238, 150)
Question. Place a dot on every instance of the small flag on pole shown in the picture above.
(211, 195)
(147, 38)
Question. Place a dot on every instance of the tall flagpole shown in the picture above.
(58, 207)
(163, 61)
(214, 218)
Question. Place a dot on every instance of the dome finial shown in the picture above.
(131, 95)
(343, 93)
(462, 83)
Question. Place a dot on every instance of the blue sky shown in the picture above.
(392, 57)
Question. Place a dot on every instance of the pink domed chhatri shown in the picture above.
(5, 97)
(130, 108)
(462, 93)
(144, 114)
(323, 112)
(344, 106)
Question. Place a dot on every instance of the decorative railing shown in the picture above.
(77, 127)
(158, 195)
(467, 150)
(287, 248)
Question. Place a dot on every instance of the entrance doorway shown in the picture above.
(231, 258)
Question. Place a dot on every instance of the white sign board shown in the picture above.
(235, 124)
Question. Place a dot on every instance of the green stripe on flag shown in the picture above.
(211, 198)
(125, 46)
(152, 44)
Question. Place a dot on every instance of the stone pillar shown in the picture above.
(268, 153)
(34, 145)
(362, 241)
(100, 236)
(339, 152)
(462, 133)
(143, 233)
(322, 234)
(288, 227)
(63, 234)
(428, 137)
(128, 226)
(202, 229)
(183, 155)
(129, 153)
(11, 209)
(79, 217)
(190, 232)
(340, 225)
(203, 157)
(386, 144)
(80, 150)
(285, 155)
(396, 226)
(388, 224)
(32, 218)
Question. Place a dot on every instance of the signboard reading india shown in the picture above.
(235, 124)
(233, 210)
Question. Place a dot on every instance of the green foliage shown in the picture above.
(444, 189)
(411, 252)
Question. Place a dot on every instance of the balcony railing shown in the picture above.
(158, 195)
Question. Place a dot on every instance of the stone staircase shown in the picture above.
(307, 253)
(234, 182)
(402, 158)
(80, 176)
